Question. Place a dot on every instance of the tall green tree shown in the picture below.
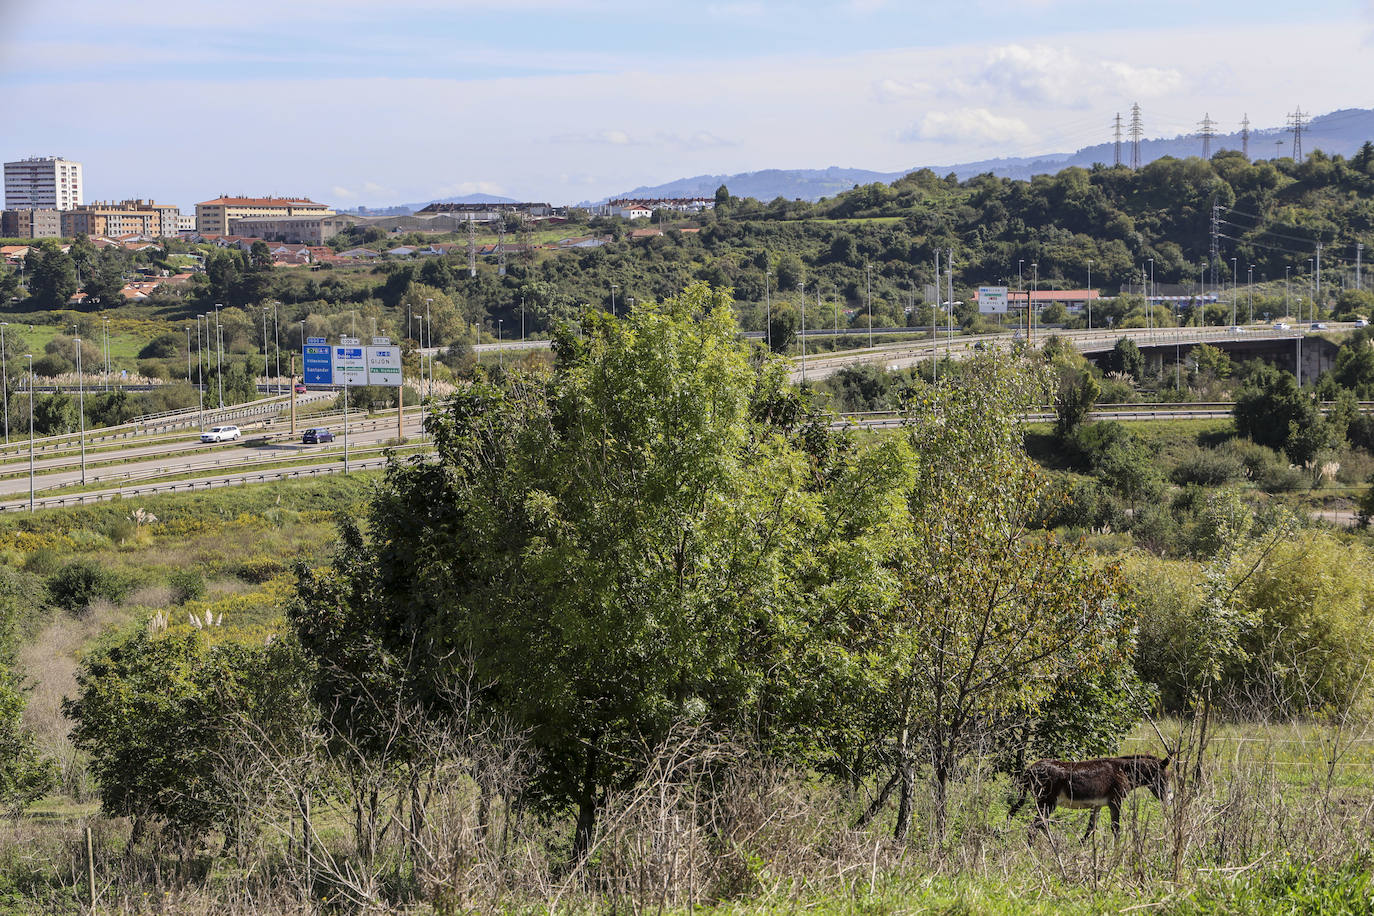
(52, 276)
(620, 547)
(993, 615)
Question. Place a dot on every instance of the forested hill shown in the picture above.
(1335, 133)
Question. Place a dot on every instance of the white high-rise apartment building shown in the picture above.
(43, 183)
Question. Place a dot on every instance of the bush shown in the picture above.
(260, 569)
(81, 582)
(1208, 468)
(1282, 478)
(44, 561)
(119, 530)
(186, 585)
(1255, 459)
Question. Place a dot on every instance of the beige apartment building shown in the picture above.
(127, 217)
(306, 230)
(30, 224)
(214, 216)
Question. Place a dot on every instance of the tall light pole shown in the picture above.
(614, 287)
(5, 379)
(1311, 262)
(1235, 282)
(428, 329)
(801, 290)
(1250, 291)
(29, 357)
(81, 409)
(768, 308)
(1090, 294)
(276, 342)
(219, 356)
(264, 349)
(1030, 305)
(868, 294)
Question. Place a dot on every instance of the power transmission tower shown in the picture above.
(1245, 135)
(1207, 132)
(472, 246)
(1118, 139)
(1297, 121)
(1137, 131)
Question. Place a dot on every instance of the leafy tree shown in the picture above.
(9, 286)
(1211, 362)
(160, 713)
(1127, 359)
(783, 324)
(1074, 400)
(994, 615)
(52, 276)
(259, 257)
(106, 280)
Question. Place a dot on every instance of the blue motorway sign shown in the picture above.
(319, 366)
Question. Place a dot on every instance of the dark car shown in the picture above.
(316, 436)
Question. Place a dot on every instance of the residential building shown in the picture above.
(315, 229)
(636, 209)
(127, 217)
(214, 216)
(30, 224)
(43, 183)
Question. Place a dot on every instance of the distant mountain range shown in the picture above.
(1339, 132)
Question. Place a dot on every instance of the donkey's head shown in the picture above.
(1150, 772)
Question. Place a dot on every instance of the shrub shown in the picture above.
(43, 560)
(1255, 459)
(80, 582)
(119, 530)
(1208, 468)
(186, 585)
(260, 569)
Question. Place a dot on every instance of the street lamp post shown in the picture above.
(29, 357)
(264, 349)
(1234, 283)
(868, 293)
(768, 308)
(614, 287)
(1149, 307)
(1250, 291)
(1090, 294)
(5, 378)
(81, 409)
(276, 342)
(219, 356)
(1030, 305)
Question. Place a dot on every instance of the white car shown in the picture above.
(1361, 322)
(1280, 326)
(220, 434)
(1237, 329)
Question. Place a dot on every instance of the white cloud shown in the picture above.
(888, 89)
(1040, 74)
(341, 191)
(970, 125)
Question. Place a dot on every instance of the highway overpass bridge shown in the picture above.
(1290, 348)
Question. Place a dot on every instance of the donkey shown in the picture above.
(1090, 784)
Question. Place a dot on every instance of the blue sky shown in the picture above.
(356, 102)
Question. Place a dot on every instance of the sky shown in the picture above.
(361, 102)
